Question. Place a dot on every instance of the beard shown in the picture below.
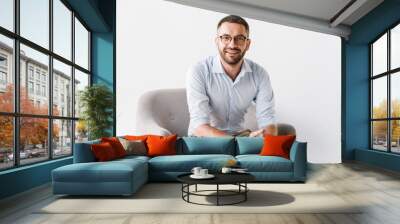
(232, 59)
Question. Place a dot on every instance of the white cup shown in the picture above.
(196, 170)
(226, 170)
(203, 172)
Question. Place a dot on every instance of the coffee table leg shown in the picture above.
(217, 194)
(245, 193)
(196, 188)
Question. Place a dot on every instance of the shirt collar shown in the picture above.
(217, 66)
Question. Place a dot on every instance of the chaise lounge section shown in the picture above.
(125, 176)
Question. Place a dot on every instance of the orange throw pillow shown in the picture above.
(136, 137)
(103, 151)
(116, 145)
(161, 145)
(277, 145)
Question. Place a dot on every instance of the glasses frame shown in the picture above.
(235, 39)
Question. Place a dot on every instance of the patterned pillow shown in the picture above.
(134, 147)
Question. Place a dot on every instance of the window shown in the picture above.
(7, 14)
(45, 131)
(30, 87)
(3, 61)
(6, 73)
(3, 72)
(35, 21)
(37, 75)
(385, 92)
(44, 91)
(62, 75)
(43, 77)
(3, 78)
(81, 45)
(37, 89)
(62, 29)
(30, 72)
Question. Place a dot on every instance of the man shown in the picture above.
(221, 88)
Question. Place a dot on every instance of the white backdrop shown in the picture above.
(158, 40)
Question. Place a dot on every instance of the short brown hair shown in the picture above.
(234, 19)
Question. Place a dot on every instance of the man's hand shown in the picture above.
(271, 129)
(207, 131)
(258, 133)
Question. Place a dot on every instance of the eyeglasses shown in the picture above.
(239, 39)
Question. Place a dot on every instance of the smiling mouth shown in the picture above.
(235, 52)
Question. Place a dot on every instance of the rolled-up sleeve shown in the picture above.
(265, 102)
(198, 101)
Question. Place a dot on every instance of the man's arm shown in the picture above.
(268, 130)
(207, 130)
(265, 106)
(198, 103)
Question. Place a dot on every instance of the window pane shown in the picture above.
(379, 135)
(395, 47)
(6, 142)
(81, 45)
(62, 29)
(395, 94)
(62, 137)
(35, 21)
(395, 136)
(7, 14)
(81, 81)
(379, 55)
(81, 131)
(62, 89)
(379, 97)
(34, 97)
(33, 140)
(6, 74)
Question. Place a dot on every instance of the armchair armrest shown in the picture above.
(298, 155)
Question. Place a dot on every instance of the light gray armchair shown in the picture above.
(165, 111)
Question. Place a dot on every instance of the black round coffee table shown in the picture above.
(238, 179)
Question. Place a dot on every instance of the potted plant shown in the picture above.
(96, 102)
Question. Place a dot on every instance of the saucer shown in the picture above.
(208, 176)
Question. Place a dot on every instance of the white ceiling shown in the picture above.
(316, 15)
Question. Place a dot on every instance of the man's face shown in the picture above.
(234, 50)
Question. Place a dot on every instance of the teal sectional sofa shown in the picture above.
(125, 176)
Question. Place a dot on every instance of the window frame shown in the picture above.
(15, 72)
(388, 74)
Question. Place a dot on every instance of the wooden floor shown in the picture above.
(378, 188)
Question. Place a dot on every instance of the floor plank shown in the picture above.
(376, 189)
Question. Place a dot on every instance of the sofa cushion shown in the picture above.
(207, 145)
(185, 163)
(134, 147)
(116, 145)
(249, 145)
(277, 145)
(111, 171)
(103, 152)
(161, 145)
(257, 163)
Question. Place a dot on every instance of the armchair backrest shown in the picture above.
(165, 111)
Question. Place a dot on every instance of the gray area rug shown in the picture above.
(166, 198)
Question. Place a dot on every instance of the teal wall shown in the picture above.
(103, 64)
(355, 62)
(99, 16)
(24, 178)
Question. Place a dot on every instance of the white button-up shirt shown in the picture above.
(214, 99)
